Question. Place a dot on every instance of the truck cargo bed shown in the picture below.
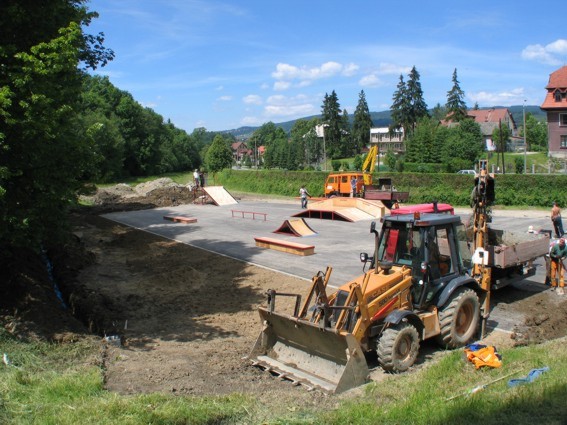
(509, 249)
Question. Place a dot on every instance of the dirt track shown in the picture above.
(187, 317)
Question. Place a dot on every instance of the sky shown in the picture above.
(222, 65)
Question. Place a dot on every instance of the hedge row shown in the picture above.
(511, 189)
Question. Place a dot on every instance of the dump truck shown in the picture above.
(427, 278)
(339, 184)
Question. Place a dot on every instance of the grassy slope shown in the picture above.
(63, 384)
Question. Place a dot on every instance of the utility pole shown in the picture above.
(525, 140)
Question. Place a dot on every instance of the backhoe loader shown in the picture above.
(425, 280)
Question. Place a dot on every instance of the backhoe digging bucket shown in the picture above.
(307, 354)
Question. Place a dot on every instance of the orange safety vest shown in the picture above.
(481, 355)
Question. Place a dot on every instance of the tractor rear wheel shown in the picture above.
(398, 347)
(459, 319)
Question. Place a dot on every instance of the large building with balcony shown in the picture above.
(555, 105)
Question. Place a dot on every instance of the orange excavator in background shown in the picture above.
(340, 184)
(427, 279)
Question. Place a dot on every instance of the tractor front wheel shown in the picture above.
(459, 319)
(398, 347)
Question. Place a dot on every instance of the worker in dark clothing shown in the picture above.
(557, 255)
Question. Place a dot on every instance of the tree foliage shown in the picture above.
(331, 117)
(219, 155)
(130, 140)
(43, 152)
(408, 105)
(362, 123)
(456, 106)
(536, 134)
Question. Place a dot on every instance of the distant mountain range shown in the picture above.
(382, 119)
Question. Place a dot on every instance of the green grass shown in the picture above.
(63, 384)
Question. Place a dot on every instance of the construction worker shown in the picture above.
(557, 255)
(556, 220)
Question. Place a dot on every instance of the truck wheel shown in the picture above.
(459, 318)
(398, 347)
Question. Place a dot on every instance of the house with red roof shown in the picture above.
(555, 105)
(489, 120)
(239, 151)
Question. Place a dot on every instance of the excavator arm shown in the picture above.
(369, 164)
(482, 198)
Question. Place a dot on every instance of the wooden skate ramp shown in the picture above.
(345, 209)
(219, 195)
(295, 227)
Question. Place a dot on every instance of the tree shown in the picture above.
(400, 107)
(536, 133)
(421, 145)
(362, 123)
(464, 144)
(346, 136)
(415, 93)
(408, 104)
(43, 153)
(331, 118)
(456, 106)
(219, 155)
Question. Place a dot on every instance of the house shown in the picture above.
(491, 119)
(387, 140)
(239, 151)
(555, 105)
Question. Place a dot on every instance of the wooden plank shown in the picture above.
(285, 246)
(179, 219)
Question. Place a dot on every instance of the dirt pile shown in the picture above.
(162, 192)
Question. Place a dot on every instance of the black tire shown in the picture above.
(398, 347)
(459, 319)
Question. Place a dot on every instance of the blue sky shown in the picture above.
(222, 65)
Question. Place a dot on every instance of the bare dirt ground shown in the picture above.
(184, 318)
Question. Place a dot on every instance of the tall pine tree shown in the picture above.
(331, 117)
(361, 125)
(456, 106)
(400, 107)
(418, 107)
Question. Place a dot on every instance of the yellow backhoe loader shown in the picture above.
(426, 279)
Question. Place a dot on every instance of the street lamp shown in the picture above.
(525, 139)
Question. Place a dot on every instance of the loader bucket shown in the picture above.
(307, 354)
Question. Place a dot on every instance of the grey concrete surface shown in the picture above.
(337, 243)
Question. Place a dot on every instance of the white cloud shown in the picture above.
(280, 106)
(219, 88)
(225, 98)
(371, 80)
(546, 54)
(350, 69)
(505, 98)
(289, 110)
(252, 99)
(285, 74)
(390, 68)
(281, 85)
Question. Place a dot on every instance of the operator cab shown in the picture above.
(434, 246)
